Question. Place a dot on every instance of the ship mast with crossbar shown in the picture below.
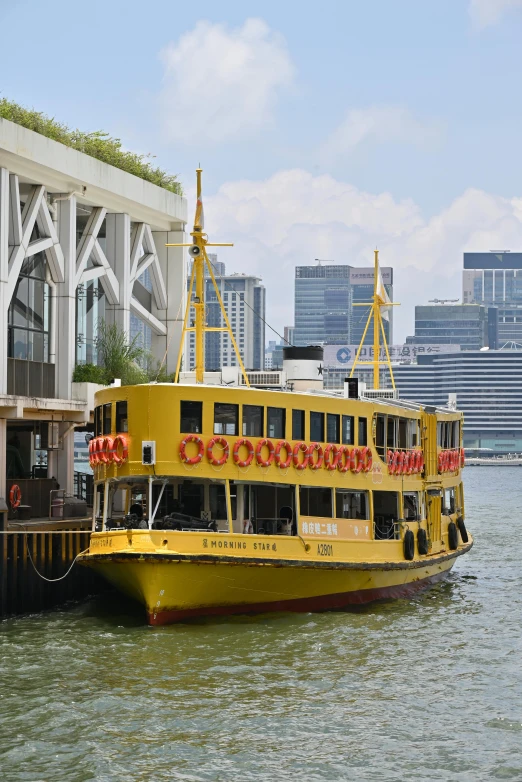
(200, 262)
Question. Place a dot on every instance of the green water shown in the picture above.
(423, 689)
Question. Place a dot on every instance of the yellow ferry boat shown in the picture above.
(221, 499)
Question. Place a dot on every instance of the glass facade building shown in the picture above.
(488, 386)
(495, 279)
(472, 326)
(323, 304)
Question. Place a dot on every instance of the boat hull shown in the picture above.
(174, 589)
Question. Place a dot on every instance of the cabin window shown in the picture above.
(226, 418)
(385, 515)
(122, 422)
(107, 418)
(298, 425)
(363, 431)
(403, 433)
(315, 502)
(412, 508)
(191, 417)
(348, 430)
(332, 428)
(391, 429)
(380, 435)
(456, 434)
(217, 501)
(449, 501)
(97, 421)
(317, 427)
(351, 504)
(275, 422)
(413, 432)
(252, 421)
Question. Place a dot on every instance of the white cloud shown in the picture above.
(222, 83)
(379, 124)
(487, 12)
(293, 217)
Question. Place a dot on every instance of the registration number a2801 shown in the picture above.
(325, 549)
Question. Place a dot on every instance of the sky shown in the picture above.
(324, 130)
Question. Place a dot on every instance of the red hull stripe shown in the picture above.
(304, 604)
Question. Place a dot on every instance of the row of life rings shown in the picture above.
(405, 462)
(283, 455)
(108, 450)
(449, 461)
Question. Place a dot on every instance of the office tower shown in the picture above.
(472, 326)
(495, 279)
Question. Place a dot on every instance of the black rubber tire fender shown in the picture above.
(453, 538)
(409, 544)
(422, 541)
(462, 529)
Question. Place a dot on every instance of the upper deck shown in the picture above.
(167, 428)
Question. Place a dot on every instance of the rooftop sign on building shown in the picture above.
(343, 355)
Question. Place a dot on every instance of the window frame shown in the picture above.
(233, 407)
(320, 418)
(182, 416)
(281, 436)
(259, 408)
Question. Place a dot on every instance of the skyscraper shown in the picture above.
(324, 296)
(243, 298)
(493, 278)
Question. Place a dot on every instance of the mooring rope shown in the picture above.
(50, 580)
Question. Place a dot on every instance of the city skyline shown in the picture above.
(304, 157)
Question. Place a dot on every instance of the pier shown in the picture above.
(34, 558)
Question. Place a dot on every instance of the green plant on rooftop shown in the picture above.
(120, 358)
(97, 144)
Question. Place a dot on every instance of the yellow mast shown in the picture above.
(379, 300)
(200, 259)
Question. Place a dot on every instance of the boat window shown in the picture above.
(107, 418)
(413, 431)
(385, 515)
(332, 428)
(97, 421)
(275, 422)
(226, 418)
(252, 420)
(217, 500)
(298, 425)
(456, 434)
(380, 435)
(391, 437)
(122, 422)
(449, 501)
(317, 427)
(403, 433)
(412, 511)
(351, 504)
(363, 431)
(191, 415)
(348, 430)
(315, 502)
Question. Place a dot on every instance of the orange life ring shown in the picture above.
(343, 466)
(190, 438)
(210, 451)
(100, 451)
(390, 462)
(419, 462)
(284, 465)
(15, 495)
(259, 447)
(366, 459)
(409, 462)
(235, 453)
(300, 448)
(397, 462)
(441, 461)
(120, 449)
(462, 457)
(105, 452)
(320, 456)
(328, 463)
(92, 459)
(356, 464)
